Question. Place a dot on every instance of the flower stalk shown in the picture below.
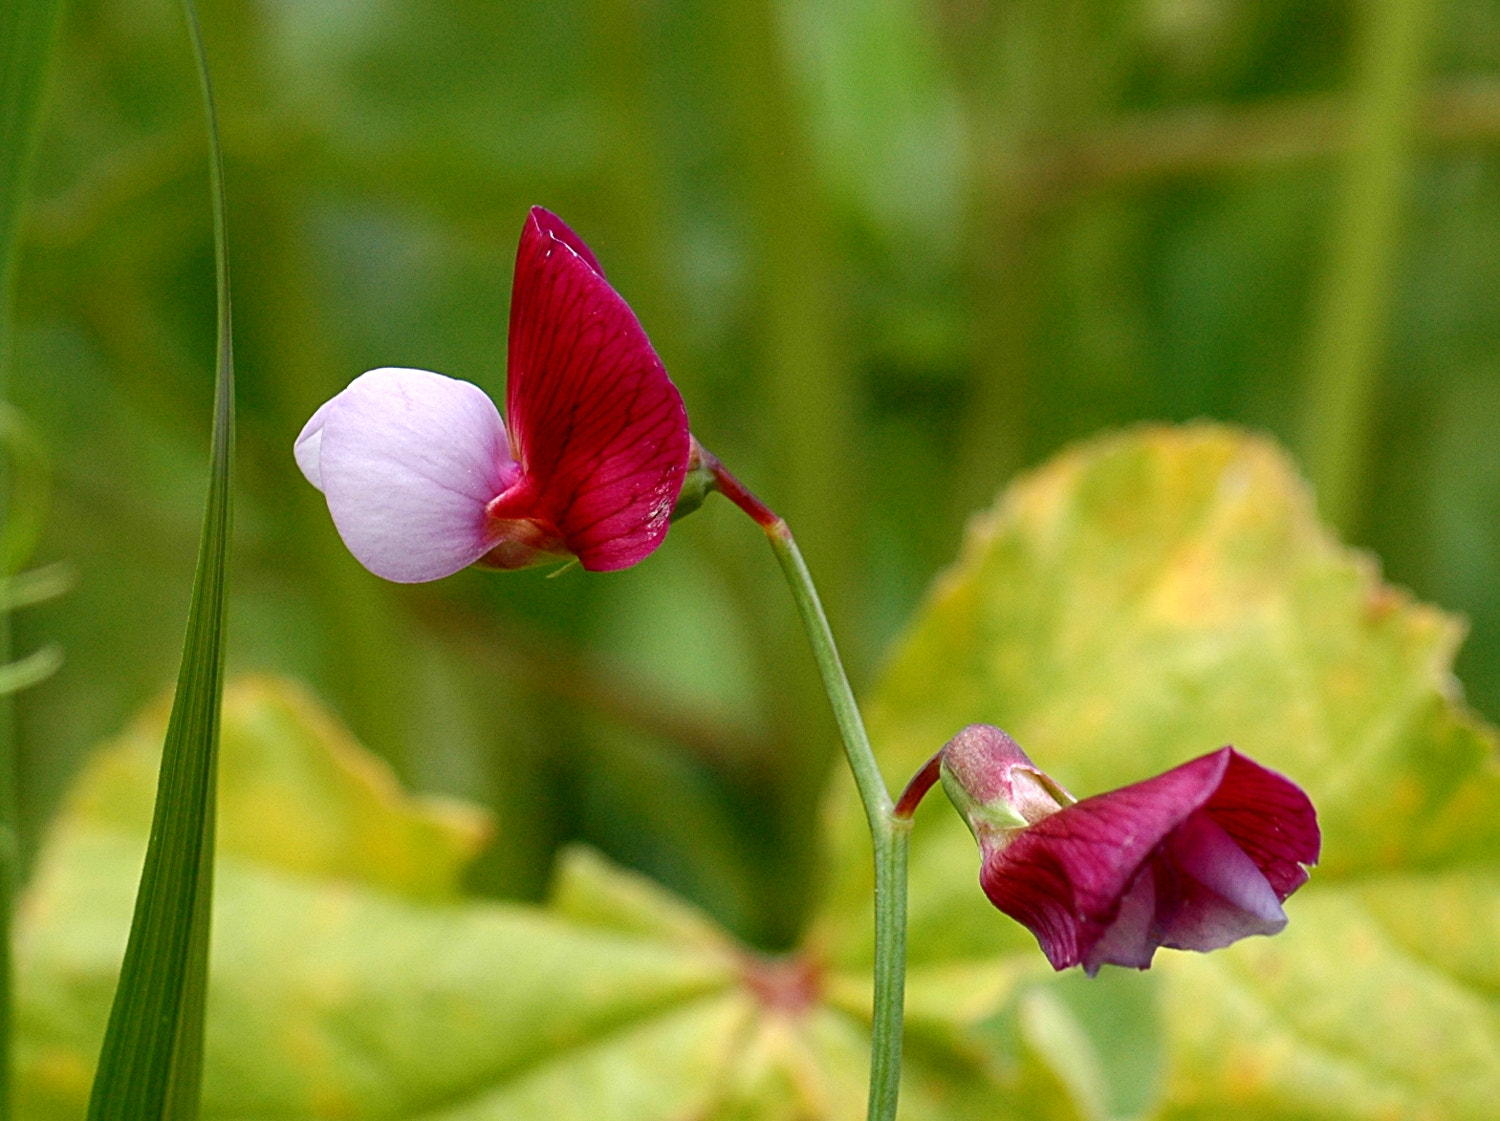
(888, 830)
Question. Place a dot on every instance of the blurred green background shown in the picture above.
(892, 251)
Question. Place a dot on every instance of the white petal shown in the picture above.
(408, 459)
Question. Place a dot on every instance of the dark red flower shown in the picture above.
(1192, 859)
(423, 478)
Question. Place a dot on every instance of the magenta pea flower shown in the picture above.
(1192, 859)
(423, 478)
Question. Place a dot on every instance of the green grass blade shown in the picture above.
(27, 31)
(1351, 329)
(150, 1064)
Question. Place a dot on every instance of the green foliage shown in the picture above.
(925, 243)
(1141, 600)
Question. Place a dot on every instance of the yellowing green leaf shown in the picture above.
(1141, 600)
(591, 891)
(329, 999)
(343, 984)
(1344, 1018)
(349, 982)
(296, 792)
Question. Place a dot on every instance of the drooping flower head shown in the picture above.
(423, 478)
(1192, 859)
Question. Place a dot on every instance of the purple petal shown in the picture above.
(1270, 818)
(408, 459)
(1065, 876)
(1131, 939)
(1221, 896)
(1193, 859)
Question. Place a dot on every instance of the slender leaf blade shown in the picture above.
(150, 1065)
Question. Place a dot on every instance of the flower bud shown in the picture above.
(995, 786)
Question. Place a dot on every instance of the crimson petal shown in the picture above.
(553, 226)
(598, 428)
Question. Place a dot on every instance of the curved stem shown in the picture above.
(888, 832)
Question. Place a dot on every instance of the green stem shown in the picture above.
(888, 832)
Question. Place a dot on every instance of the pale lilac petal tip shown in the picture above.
(408, 460)
(308, 447)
